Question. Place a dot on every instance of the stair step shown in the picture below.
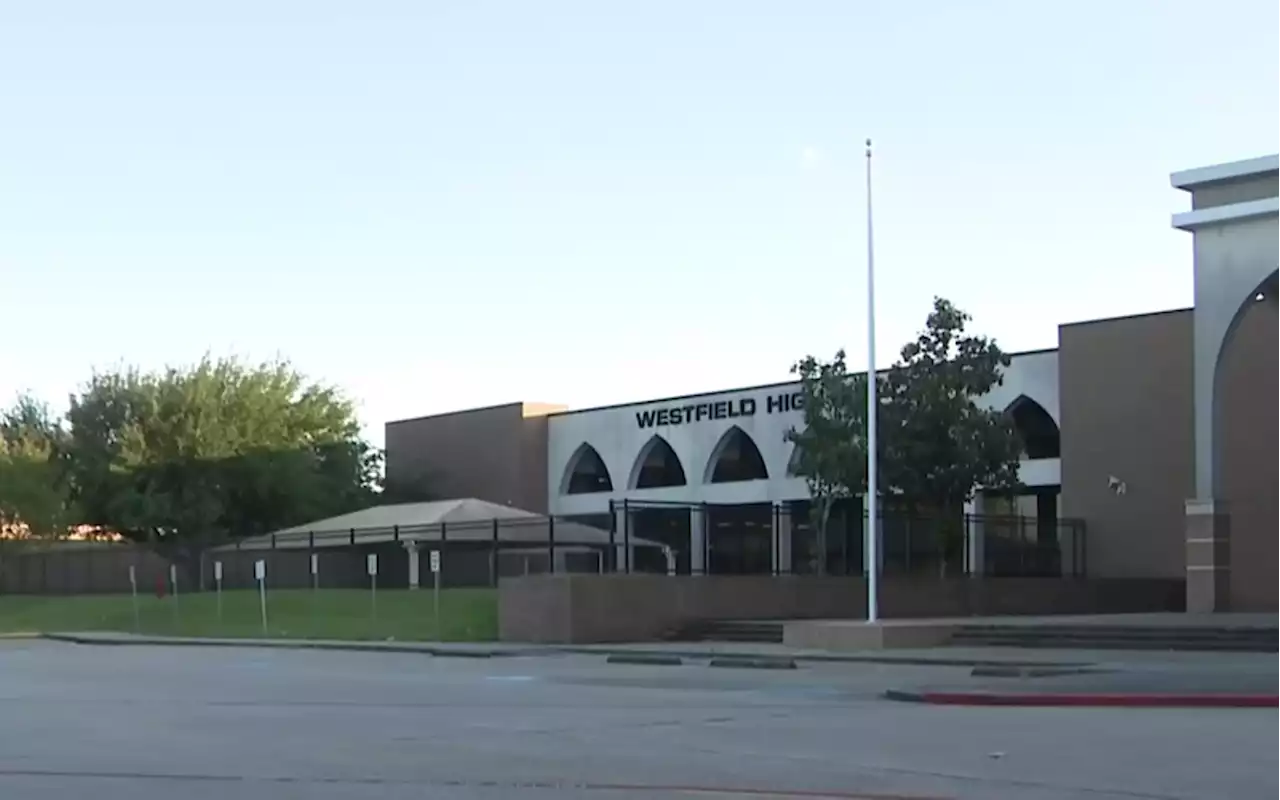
(734, 631)
(1112, 637)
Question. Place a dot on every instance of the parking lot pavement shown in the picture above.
(151, 722)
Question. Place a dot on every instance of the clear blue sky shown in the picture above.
(439, 205)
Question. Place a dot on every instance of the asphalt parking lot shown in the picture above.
(147, 722)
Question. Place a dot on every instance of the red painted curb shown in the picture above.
(1093, 700)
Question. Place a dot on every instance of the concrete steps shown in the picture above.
(1119, 637)
(754, 631)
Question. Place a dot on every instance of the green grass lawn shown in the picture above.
(466, 615)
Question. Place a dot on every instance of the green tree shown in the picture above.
(830, 448)
(33, 491)
(936, 447)
(223, 449)
(941, 447)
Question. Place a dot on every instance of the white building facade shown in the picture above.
(697, 451)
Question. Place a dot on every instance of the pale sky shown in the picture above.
(442, 205)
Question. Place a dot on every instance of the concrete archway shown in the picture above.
(1234, 215)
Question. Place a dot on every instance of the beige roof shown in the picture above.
(463, 520)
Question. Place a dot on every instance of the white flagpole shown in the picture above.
(872, 548)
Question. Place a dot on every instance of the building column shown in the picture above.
(1208, 553)
(624, 535)
(1227, 276)
(697, 541)
(411, 550)
(782, 540)
(975, 543)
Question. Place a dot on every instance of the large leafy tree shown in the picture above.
(941, 445)
(34, 500)
(222, 449)
(829, 447)
(936, 446)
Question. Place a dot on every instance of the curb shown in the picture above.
(1032, 672)
(645, 659)
(740, 662)
(297, 644)
(826, 658)
(1043, 700)
(546, 650)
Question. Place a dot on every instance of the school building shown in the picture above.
(1151, 446)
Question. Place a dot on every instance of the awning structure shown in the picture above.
(463, 520)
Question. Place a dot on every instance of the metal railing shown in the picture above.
(630, 537)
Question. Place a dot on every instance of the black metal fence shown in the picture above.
(629, 537)
(781, 538)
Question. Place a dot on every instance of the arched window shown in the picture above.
(1040, 436)
(735, 458)
(657, 465)
(586, 473)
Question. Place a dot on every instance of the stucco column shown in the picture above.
(782, 540)
(975, 543)
(1208, 556)
(697, 541)
(411, 551)
(1232, 220)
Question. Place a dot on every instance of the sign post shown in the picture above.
(217, 586)
(173, 587)
(260, 575)
(133, 589)
(372, 565)
(315, 585)
(435, 588)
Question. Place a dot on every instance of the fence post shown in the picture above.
(551, 545)
(906, 540)
(626, 536)
(613, 536)
(493, 554)
(773, 538)
(1022, 546)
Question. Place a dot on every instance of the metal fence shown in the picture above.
(781, 538)
(629, 537)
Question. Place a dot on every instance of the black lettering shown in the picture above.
(719, 410)
(703, 412)
(773, 404)
(797, 401)
(664, 416)
(645, 419)
(675, 416)
(733, 409)
(686, 413)
(747, 407)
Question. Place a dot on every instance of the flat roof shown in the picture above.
(1203, 176)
